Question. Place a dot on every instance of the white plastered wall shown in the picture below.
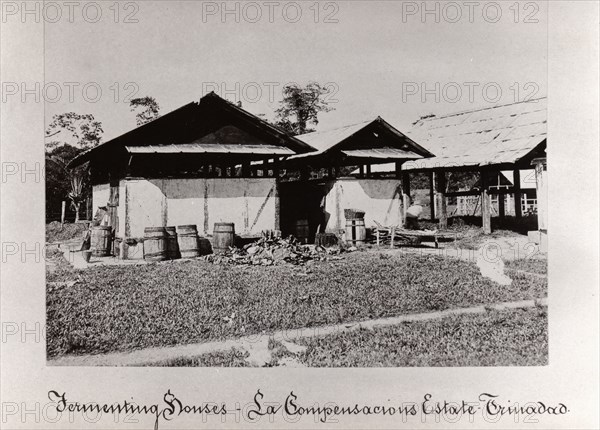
(380, 199)
(249, 203)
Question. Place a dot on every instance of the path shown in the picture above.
(257, 345)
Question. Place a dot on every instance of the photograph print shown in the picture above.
(297, 184)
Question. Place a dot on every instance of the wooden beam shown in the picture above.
(501, 198)
(405, 195)
(517, 192)
(486, 204)
(441, 199)
(431, 195)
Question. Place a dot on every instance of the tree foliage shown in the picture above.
(300, 107)
(80, 131)
(68, 135)
(64, 183)
(146, 108)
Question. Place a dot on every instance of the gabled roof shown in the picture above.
(191, 122)
(331, 140)
(324, 140)
(502, 134)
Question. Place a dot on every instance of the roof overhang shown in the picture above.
(198, 148)
(389, 154)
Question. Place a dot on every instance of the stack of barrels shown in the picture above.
(183, 241)
(356, 232)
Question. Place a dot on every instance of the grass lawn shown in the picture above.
(119, 308)
(539, 267)
(498, 338)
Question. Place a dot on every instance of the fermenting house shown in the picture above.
(206, 162)
(339, 175)
(505, 138)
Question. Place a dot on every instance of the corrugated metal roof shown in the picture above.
(382, 153)
(204, 148)
(327, 140)
(324, 140)
(495, 135)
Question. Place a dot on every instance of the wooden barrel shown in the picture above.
(356, 233)
(155, 244)
(301, 230)
(172, 245)
(223, 237)
(187, 239)
(100, 240)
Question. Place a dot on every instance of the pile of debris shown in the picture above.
(271, 249)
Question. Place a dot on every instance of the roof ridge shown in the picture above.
(340, 127)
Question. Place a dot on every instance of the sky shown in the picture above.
(378, 57)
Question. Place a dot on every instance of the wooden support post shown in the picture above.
(501, 205)
(62, 212)
(432, 195)
(441, 199)
(368, 170)
(486, 204)
(88, 208)
(405, 195)
(276, 171)
(361, 172)
(398, 169)
(517, 188)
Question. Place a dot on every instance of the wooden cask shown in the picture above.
(356, 232)
(187, 239)
(155, 244)
(223, 237)
(100, 240)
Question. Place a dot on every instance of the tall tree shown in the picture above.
(300, 107)
(146, 108)
(68, 135)
(79, 131)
